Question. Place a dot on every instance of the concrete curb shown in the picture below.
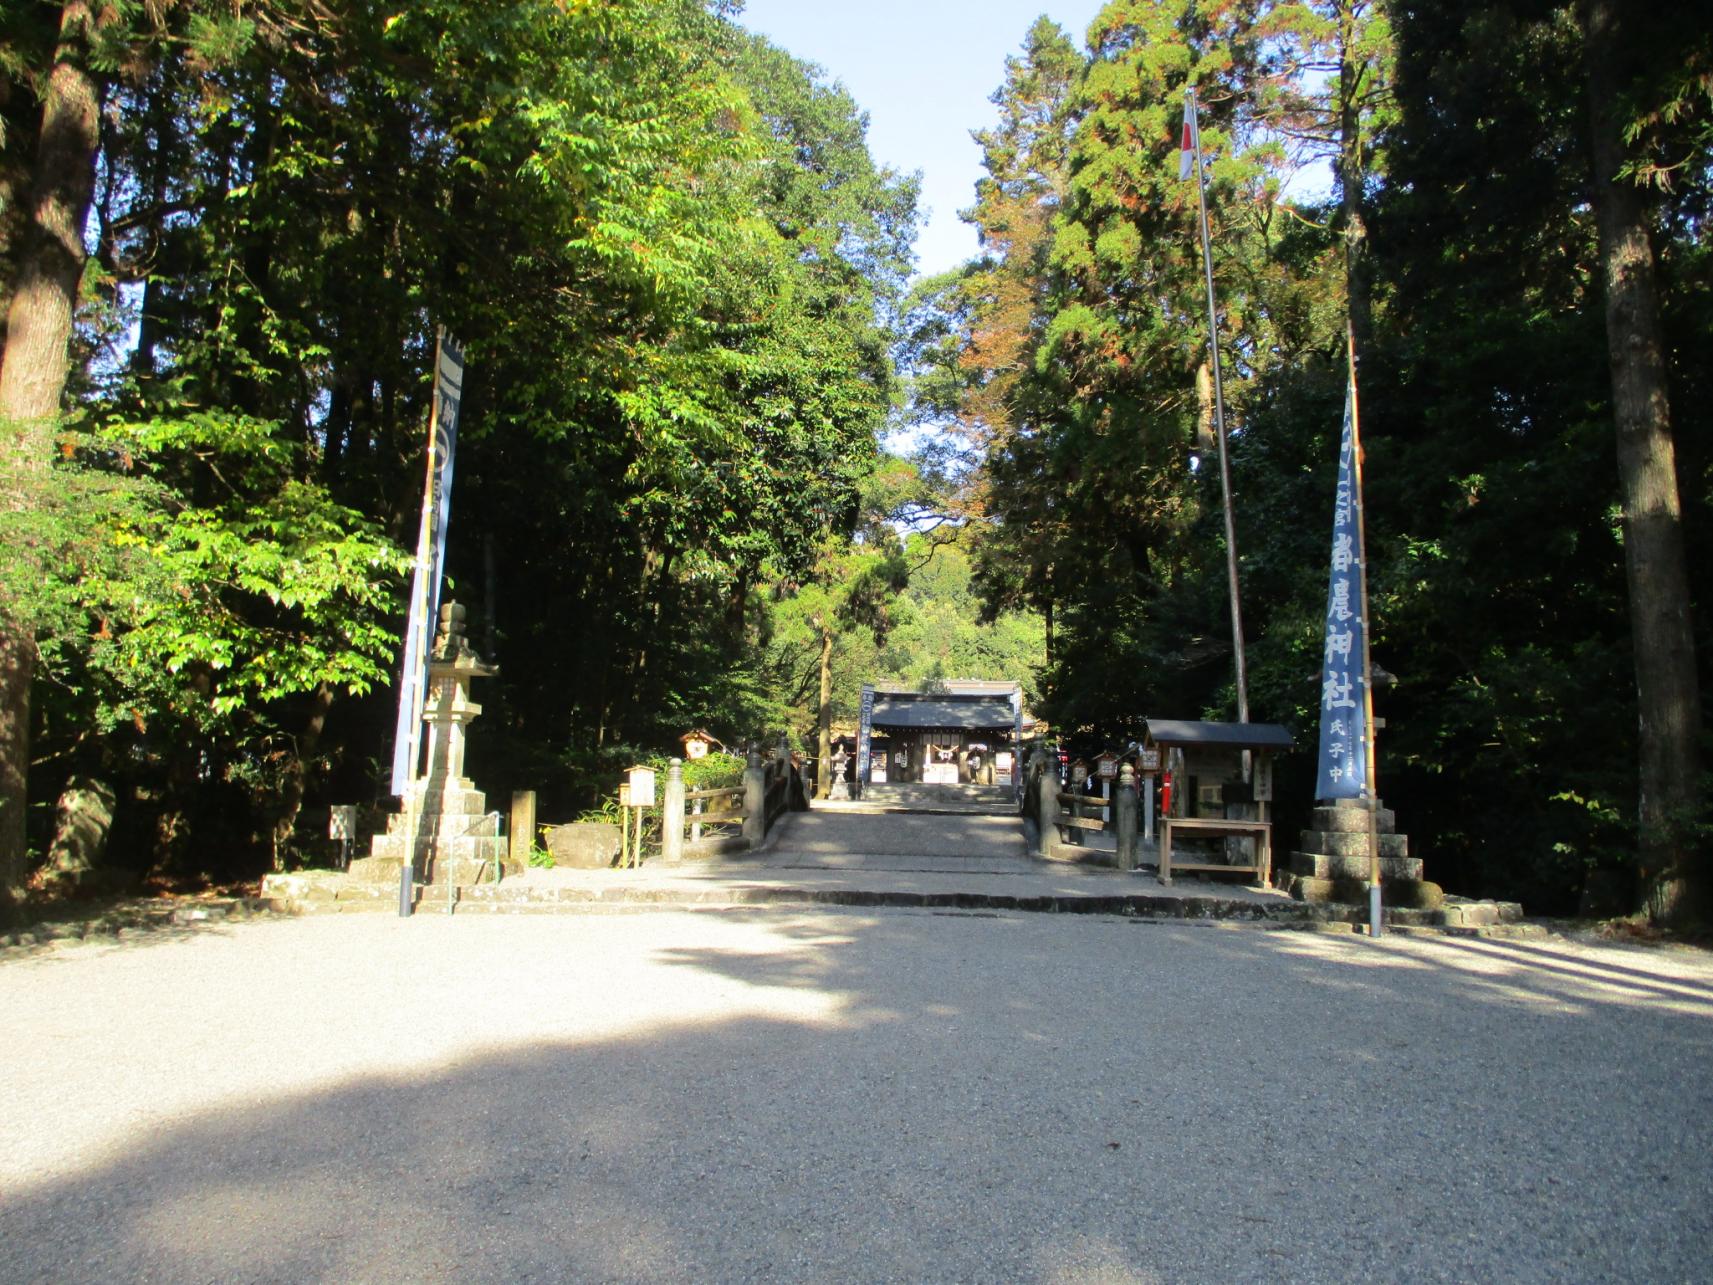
(501, 900)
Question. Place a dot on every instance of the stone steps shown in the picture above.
(329, 893)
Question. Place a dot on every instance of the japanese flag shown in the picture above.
(1187, 149)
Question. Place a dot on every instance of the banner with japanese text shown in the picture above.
(1343, 767)
(865, 735)
(430, 555)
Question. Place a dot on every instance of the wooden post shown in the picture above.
(672, 814)
(1125, 817)
(624, 825)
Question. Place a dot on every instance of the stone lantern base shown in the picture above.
(1333, 861)
(456, 840)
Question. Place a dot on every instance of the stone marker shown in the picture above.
(521, 832)
(82, 820)
(584, 845)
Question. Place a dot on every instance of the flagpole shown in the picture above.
(1371, 772)
(417, 638)
(1219, 418)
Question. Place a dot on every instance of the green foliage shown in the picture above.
(674, 263)
(1460, 234)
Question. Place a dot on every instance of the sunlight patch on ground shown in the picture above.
(317, 1005)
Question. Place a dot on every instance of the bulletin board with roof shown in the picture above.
(1221, 779)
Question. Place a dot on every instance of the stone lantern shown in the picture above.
(445, 829)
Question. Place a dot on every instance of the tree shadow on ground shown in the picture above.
(1030, 1097)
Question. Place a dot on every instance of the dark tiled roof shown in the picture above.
(969, 712)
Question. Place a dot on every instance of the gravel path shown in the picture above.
(849, 1096)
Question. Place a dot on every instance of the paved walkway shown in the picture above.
(850, 1096)
(878, 855)
(861, 855)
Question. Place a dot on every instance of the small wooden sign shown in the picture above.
(1263, 778)
(1079, 773)
(1150, 760)
(1107, 766)
(342, 821)
(642, 787)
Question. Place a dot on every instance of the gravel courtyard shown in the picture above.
(850, 1096)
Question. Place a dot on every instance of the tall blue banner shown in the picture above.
(430, 556)
(449, 400)
(1343, 770)
(865, 737)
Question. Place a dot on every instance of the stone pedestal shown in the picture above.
(444, 830)
(1332, 862)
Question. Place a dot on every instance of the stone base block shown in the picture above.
(1351, 816)
(1327, 865)
(1479, 914)
(1353, 843)
(1408, 894)
(466, 812)
(467, 860)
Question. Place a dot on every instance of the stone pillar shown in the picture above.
(1047, 800)
(755, 800)
(1124, 816)
(522, 829)
(672, 814)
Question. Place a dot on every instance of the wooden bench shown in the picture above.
(1216, 828)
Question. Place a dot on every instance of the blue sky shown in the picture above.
(923, 70)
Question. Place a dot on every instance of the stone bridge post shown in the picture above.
(1125, 809)
(755, 800)
(1047, 805)
(672, 814)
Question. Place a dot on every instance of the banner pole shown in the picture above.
(417, 641)
(1219, 424)
(1371, 772)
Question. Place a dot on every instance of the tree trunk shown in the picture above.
(1206, 442)
(17, 669)
(38, 320)
(33, 369)
(824, 749)
(1667, 690)
(291, 799)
